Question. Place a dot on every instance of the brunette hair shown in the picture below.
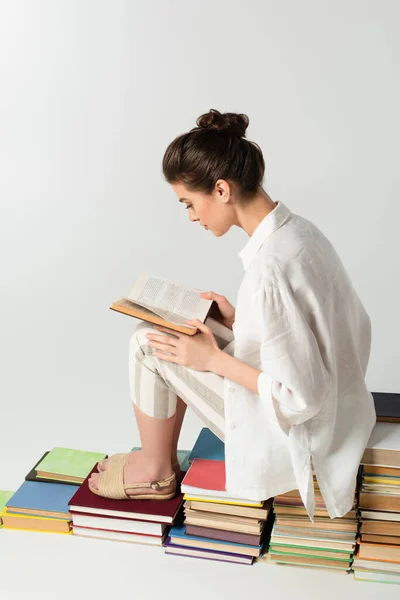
(215, 149)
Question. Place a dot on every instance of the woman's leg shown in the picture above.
(156, 390)
(179, 416)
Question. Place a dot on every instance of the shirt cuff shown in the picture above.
(264, 386)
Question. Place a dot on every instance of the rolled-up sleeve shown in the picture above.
(294, 380)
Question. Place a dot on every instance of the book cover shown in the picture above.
(42, 499)
(207, 446)
(147, 510)
(68, 464)
(387, 407)
(207, 478)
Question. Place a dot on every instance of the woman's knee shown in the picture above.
(139, 342)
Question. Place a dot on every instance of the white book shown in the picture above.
(161, 301)
(375, 565)
(133, 538)
(376, 515)
(122, 525)
(209, 554)
(379, 577)
(193, 493)
(383, 447)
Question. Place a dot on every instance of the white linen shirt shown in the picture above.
(300, 321)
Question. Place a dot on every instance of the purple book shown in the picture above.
(206, 554)
(225, 536)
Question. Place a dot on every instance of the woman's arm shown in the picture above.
(294, 380)
(234, 369)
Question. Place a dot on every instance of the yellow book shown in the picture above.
(219, 501)
(35, 523)
(382, 480)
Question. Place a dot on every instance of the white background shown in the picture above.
(91, 94)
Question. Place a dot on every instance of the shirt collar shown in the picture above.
(268, 225)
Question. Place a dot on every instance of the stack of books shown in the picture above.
(216, 526)
(296, 540)
(378, 557)
(134, 521)
(41, 502)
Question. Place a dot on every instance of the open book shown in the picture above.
(165, 303)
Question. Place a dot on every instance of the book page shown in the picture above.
(171, 301)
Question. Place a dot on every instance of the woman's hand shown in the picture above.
(226, 309)
(194, 351)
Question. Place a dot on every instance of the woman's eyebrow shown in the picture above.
(183, 200)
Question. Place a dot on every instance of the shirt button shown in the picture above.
(231, 388)
(233, 426)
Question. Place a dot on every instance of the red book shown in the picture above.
(205, 479)
(158, 511)
(206, 474)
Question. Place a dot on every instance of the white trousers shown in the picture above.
(156, 383)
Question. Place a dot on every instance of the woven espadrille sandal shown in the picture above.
(111, 484)
(101, 466)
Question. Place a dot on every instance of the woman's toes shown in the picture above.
(102, 465)
(93, 481)
(93, 484)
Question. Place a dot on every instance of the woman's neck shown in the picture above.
(250, 216)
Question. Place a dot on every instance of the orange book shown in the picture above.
(382, 552)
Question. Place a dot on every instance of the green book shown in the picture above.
(286, 548)
(4, 497)
(306, 555)
(68, 465)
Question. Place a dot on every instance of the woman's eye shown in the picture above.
(189, 206)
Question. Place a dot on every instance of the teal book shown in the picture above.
(42, 499)
(207, 446)
(68, 465)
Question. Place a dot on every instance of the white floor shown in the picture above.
(47, 566)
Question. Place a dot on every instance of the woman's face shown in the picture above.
(212, 211)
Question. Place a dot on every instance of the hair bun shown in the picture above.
(229, 123)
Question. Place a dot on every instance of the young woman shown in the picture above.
(286, 392)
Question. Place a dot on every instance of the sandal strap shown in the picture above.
(154, 485)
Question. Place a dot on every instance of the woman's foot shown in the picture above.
(102, 465)
(138, 470)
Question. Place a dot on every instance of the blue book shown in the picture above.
(208, 446)
(42, 499)
(179, 536)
